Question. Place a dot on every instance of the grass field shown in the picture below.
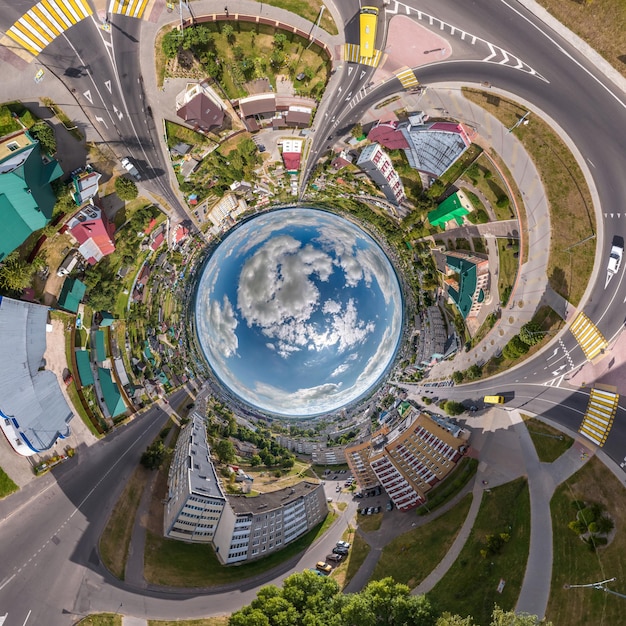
(309, 10)
(453, 484)
(409, 558)
(178, 564)
(574, 563)
(601, 23)
(567, 194)
(7, 486)
(101, 619)
(115, 540)
(508, 266)
(549, 442)
(369, 523)
(470, 586)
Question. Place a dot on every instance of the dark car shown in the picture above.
(342, 551)
(262, 148)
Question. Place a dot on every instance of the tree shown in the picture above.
(44, 134)
(125, 188)
(154, 455)
(457, 377)
(510, 618)
(280, 39)
(171, 43)
(277, 59)
(357, 131)
(255, 460)
(225, 451)
(474, 372)
(531, 333)
(229, 32)
(15, 274)
(452, 407)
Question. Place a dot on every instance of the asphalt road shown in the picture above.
(51, 574)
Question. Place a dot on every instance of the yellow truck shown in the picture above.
(493, 399)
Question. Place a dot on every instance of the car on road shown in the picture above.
(130, 168)
(615, 256)
(493, 399)
(322, 566)
(389, 506)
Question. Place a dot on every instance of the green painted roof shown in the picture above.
(26, 197)
(71, 294)
(107, 319)
(101, 353)
(111, 393)
(467, 283)
(450, 209)
(84, 368)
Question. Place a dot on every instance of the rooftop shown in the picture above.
(269, 501)
(202, 477)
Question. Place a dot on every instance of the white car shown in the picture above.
(615, 259)
(130, 168)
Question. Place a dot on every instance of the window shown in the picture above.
(13, 146)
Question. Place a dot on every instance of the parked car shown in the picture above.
(377, 509)
(322, 566)
(342, 551)
(343, 544)
(334, 557)
(390, 505)
(317, 572)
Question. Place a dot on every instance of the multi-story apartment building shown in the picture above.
(375, 162)
(195, 499)
(240, 528)
(410, 459)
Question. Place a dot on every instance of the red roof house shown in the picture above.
(93, 231)
(388, 135)
(158, 240)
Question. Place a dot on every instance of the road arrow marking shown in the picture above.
(107, 84)
(553, 354)
(87, 95)
(363, 72)
(119, 114)
(350, 68)
(608, 280)
(99, 119)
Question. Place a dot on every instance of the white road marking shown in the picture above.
(87, 95)
(6, 582)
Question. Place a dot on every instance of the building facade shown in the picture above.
(409, 460)
(240, 528)
(375, 162)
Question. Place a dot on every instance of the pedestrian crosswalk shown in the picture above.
(45, 21)
(352, 54)
(131, 8)
(599, 416)
(407, 78)
(591, 340)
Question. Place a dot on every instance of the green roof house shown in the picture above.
(26, 196)
(84, 367)
(467, 281)
(454, 207)
(101, 353)
(112, 396)
(106, 319)
(72, 292)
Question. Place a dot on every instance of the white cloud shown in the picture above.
(340, 369)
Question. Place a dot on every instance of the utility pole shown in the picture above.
(522, 120)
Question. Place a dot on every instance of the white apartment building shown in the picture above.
(240, 528)
(375, 162)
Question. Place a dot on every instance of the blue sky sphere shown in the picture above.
(299, 312)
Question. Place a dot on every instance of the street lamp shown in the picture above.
(521, 120)
(600, 586)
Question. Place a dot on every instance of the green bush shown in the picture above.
(44, 134)
(451, 407)
(502, 202)
(125, 188)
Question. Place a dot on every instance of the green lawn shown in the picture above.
(454, 482)
(309, 10)
(550, 443)
(470, 586)
(369, 523)
(573, 562)
(409, 558)
(359, 550)
(178, 564)
(7, 486)
(508, 266)
(101, 619)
